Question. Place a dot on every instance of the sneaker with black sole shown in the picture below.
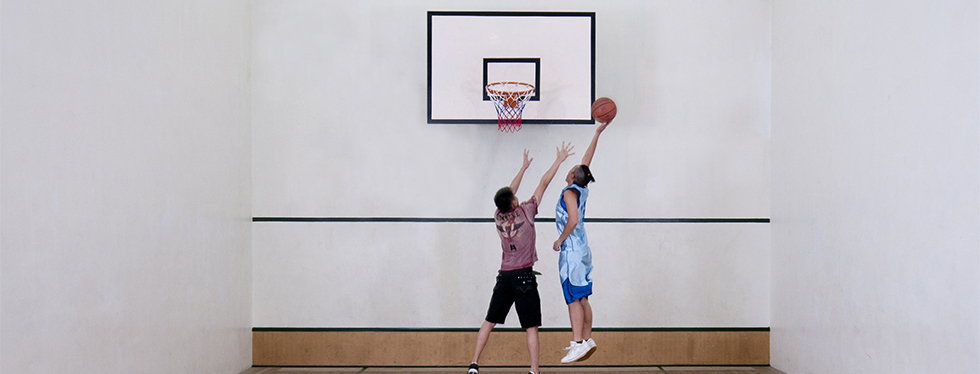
(474, 369)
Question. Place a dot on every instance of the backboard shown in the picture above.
(554, 51)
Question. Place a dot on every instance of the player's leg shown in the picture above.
(576, 315)
(575, 312)
(500, 303)
(533, 348)
(527, 301)
(481, 339)
(587, 328)
(579, 348)
(586, 318)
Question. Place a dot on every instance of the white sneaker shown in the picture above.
(591, 344)
(575, 352)
(591, 348)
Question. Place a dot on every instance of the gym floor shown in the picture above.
(546, 370)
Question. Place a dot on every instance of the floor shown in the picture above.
(545, 370)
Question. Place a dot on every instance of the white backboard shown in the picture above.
(553, 51)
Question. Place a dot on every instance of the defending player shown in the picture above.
(516, 281)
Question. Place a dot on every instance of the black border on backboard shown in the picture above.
(430, 14)
(537, 74)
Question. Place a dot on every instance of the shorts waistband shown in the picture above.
(516, 271)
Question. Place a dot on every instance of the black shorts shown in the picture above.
(518, 287)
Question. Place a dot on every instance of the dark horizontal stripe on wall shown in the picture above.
(490, 220)
(474, 329)
(372, 219)
(673, 220)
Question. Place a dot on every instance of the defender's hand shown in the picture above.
(565, 151)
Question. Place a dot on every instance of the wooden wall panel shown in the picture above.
(505, 348)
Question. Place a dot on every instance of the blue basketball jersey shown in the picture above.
(575, 258)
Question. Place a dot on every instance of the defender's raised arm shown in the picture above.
(516, 183)
(563, 153)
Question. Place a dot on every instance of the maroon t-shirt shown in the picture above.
(516, 230)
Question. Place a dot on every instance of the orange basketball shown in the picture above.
(604, 109)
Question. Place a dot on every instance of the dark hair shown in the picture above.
(504, 199)
(582, 176)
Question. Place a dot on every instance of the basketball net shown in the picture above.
(509, 99)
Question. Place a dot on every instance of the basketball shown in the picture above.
(604, 109)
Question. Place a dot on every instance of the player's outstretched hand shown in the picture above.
(565, 151)
(527, 161)
(602, 126)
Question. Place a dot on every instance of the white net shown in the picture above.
(509, 99)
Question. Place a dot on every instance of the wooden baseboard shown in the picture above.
(506, 347)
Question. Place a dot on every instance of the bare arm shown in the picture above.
(516, 183)
(571, 205)
(563, 153)
(587, 158)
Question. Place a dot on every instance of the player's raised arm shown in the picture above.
(563, 153)
(587, 157)
(514, 184)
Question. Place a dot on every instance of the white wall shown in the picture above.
(875, 185)
(339, 130)
(126, 183)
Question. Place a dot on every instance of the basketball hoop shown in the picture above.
(509, 99)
